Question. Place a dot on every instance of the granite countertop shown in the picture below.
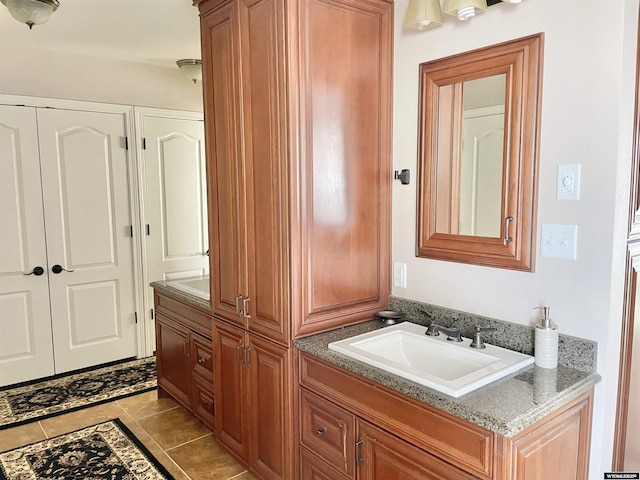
(506, 406)
(165, 287)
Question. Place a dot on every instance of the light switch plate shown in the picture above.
(568, 182)
(558, 241)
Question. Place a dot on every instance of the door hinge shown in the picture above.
(135, 315)
(144, 143)
(152, 314)
(131, 230)
(126, 143)
(148, 230)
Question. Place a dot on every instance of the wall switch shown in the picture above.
(558, 241)
(400, 275)
(568, 182)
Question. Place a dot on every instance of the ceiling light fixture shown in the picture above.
(31, 12)
(423, 13)
(191, 68)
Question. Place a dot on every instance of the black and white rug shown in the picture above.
(107, 450)
(59, 395)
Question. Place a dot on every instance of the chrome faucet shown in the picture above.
(452, 333)
(478, 342)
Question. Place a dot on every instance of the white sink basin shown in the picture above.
(453, 368)
(195, 286)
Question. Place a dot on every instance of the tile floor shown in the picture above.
(177, 439)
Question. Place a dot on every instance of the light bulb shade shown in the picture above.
(31, 12)
(423, 13)
(464, 9)
(191, 68)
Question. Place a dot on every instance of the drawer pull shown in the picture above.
(201, 360)
(359, 459)
(239, 350)
(321, 431)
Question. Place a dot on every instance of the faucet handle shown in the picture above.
(478, 342)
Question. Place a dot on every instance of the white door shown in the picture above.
(481, 172)
(175, 200)
(26, 350)
(85, 188)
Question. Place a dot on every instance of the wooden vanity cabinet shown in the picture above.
(353, 428)
(254, 405)
(184, 356)
(297, 101)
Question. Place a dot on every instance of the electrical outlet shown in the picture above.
(559, 241)
(400, 275)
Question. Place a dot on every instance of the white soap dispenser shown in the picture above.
(546, 342)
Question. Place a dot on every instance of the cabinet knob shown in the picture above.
(321, 431)
(201, 360)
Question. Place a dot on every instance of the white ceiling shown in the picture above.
(156, 32)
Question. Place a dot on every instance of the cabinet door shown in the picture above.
(555, 449)
(270, 402)
(344, 196)
(229, 388)
(265, 165)
(381, 456)
(221, 87)
(173, 358)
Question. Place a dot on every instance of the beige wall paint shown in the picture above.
(587, 109)
(51, 74)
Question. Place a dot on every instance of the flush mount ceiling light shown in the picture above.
(464, 9)
(423, 13)
(31, 12)
(191, 68)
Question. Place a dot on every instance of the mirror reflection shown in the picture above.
(470, 157)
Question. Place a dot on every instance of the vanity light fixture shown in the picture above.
(423, 13)
(31, 12)
(191, 68)
(464, 9)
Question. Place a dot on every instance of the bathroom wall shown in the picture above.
(587, 119)
(52, 74)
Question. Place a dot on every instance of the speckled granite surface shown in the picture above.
(506, 406)
(572, 352)
(166, 289)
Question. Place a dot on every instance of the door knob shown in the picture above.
(59, 268)
(37, 271)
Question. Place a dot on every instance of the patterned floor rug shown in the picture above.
(44, 399)
(107, 450)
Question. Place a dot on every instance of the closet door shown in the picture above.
(175, 200)
(25, 323)
(176, 209)
(85, 185)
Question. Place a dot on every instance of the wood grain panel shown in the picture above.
(346, 62)
(223, 139)
(452, 439)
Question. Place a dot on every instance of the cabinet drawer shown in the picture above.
(191, 317)
(328, 431)
(202, 353)
(313, 468)
(454, 440)
(202, 402)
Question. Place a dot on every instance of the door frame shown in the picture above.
(630, 282)
(140, 113)
(133, 182)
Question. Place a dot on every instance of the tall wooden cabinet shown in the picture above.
(297, 99)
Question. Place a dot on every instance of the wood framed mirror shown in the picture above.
(478, 155)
